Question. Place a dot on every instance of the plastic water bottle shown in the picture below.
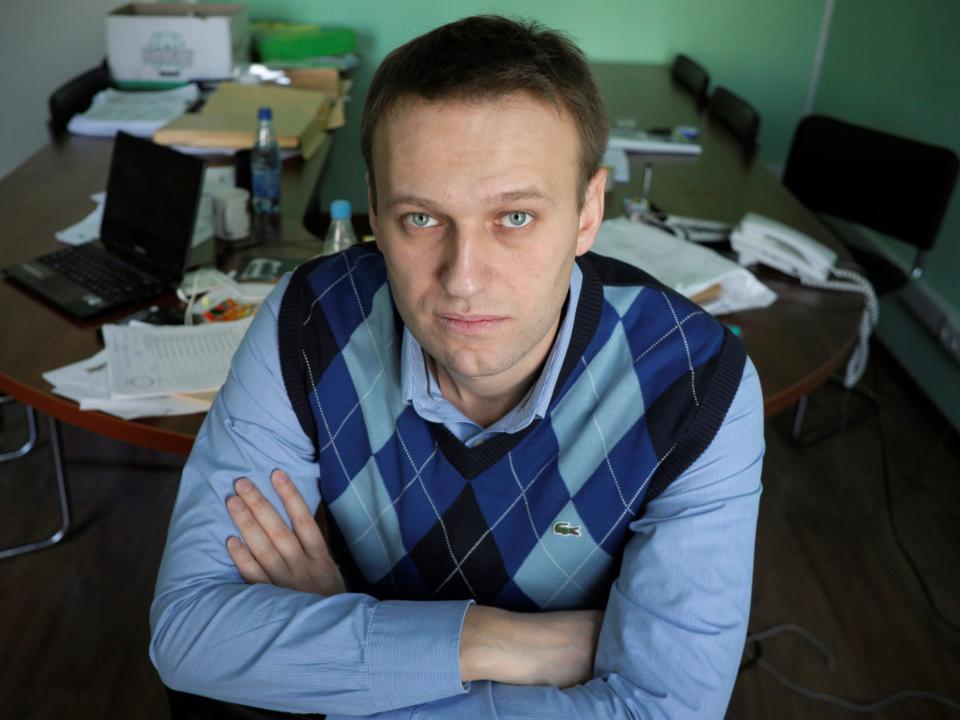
(340, 234)
(265, 166)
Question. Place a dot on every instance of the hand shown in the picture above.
(548, 648)
(271, 552)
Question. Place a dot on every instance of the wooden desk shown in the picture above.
(803, 338)
(796, 344)
(49, 192)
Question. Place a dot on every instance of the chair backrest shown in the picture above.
(737, 115)
(691, 75)
(891, 184)
(75, 96)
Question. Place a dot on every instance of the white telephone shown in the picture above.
(759, 239)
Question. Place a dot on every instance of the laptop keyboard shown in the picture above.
(112, 279)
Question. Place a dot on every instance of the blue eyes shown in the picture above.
(516, 219)
(513, 220)
(421, 220)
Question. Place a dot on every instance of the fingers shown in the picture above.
(262, 529)
(249, 568)
(304, 524)
(271, 552)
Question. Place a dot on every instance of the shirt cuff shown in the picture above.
(414, 651)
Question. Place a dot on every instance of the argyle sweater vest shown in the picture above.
(531, 520)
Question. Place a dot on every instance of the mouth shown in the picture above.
(470, 324)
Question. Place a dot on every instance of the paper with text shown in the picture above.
(149, 361)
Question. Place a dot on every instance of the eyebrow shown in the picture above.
(527, 193)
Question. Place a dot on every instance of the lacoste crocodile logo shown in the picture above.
(565, 528)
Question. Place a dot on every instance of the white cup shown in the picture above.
(231, 217)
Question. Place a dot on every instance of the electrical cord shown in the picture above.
(797, 630)
(850, 281)
(188, 311)
(898, 540)
(754, 640)
(840, 702)
(756, 647)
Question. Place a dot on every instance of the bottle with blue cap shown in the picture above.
(340, 234)
(265, 166)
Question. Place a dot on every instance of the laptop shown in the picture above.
(153, 193)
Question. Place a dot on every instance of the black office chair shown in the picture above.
(691, 75)
(894, 185)
(75, 96)
(736, 115)
(853, 176)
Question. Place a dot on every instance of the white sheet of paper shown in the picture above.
(139, 112)
(166, 360)
(89, 375)
(147, 407)
(85, 383)
(686, 267)
(87, 229)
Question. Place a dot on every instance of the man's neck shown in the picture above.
(483, 405)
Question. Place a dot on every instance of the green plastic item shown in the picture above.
(282, 41)
(148, 84)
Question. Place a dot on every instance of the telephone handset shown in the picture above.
(759, 239)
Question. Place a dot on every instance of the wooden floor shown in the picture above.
(73, 618)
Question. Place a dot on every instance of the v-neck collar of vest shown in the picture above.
(470, 462)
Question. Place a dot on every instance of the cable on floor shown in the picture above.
(755, 649)
(898, 540)
(840, 702)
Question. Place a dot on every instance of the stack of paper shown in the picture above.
(149, 370)
(138, 113)
(86, 383)
(229, 119)
(720, 285)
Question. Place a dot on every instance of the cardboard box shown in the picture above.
(164, 43)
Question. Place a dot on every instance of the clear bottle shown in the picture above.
(340, 234)
(265, 166)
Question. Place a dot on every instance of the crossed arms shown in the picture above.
(516, 648)
(668, 645)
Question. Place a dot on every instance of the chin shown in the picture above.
(473, 364)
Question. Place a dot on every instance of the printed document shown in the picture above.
(165, 360)
(85, 382)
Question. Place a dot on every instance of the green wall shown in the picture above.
(761, 50)
(895, 65)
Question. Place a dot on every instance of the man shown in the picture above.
(539, 468)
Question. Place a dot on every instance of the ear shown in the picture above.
(592, 213)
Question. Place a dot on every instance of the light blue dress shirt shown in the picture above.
(672, 634)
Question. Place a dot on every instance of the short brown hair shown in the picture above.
(485, 57)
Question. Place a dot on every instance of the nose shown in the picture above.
(464, 266)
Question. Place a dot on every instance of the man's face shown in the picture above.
(478, 218)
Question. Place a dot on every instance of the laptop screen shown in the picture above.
(152, 197)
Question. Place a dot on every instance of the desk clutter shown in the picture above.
(219, 120)
(720, 285)
(194, 76)
(176, 361)
(148, 371)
